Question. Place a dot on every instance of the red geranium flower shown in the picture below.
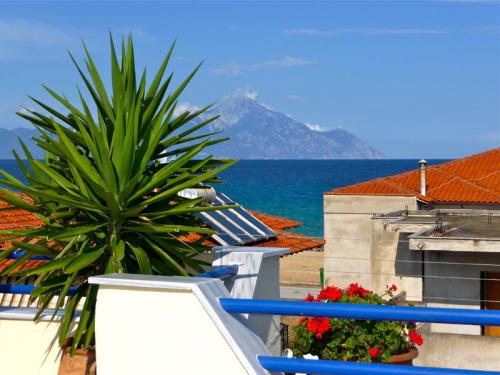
(318, 326)
(330, 293)
(416, 338)
(354, 289)
(374, 351)
(309, 298)
(394, 287)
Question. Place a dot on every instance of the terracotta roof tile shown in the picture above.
(275, 222)
(295, 242)
(474, 179)
(17, 219)
(25, 265)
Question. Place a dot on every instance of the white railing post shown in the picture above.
(258, 277)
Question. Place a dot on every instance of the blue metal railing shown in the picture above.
(324, 367)
(25, 289)
(222, 273)
(359, 311)
(20, 253)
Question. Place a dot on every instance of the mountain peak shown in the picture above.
(259, 132)
(233, 108)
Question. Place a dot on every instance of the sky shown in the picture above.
(413, 79)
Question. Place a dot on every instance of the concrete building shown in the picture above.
(433, 231)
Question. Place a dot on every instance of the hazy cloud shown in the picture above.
(293, 97)
(252, 94)
(185, 106)
(362, 31)
(235, 69)
(316, 127)
(22, 39)
(484, 30)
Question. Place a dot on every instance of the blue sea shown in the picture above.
(292, 188)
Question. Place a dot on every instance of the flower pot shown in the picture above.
(403, 359)
(81, 363)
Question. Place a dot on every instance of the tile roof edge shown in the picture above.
(439, 168)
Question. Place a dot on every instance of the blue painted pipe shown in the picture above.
(222, 273)
(324, 367)
(19, 254)
(358, 311)
(25, 289)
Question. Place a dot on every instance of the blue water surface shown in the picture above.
(292, 188)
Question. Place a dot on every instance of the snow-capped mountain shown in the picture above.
(259, 132)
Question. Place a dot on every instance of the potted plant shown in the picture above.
(107, 202)
(355, 339)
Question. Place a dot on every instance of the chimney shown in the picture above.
(423, 181)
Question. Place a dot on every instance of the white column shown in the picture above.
(258, 278)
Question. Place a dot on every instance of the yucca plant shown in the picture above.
(106, 202)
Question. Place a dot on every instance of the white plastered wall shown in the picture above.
(28, 348)
(170, 325)
(349, 236)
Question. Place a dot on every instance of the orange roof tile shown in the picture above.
(275, 222)
(294, 241)
(26, 265)
(474, 179)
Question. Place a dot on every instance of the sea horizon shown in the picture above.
(292, 188)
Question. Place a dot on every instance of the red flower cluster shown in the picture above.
(416, 338)
(331, 293)
(373, 351)
(309, 298)
(394, 287)
(356, 290)
(318, 326)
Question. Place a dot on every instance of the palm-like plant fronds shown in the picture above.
(106, 202)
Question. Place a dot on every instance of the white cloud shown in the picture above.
(316, 127)
(24, 39)
(185, 107)
(293, 97)
(362, 31)
(250, 94)
(235, 69)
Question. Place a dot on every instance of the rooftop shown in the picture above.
(18, 219)
(464, 224)
(474, 179)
